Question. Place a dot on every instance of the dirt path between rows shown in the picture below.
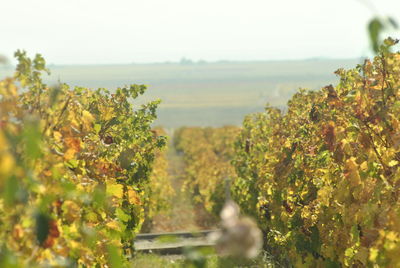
(182, 216)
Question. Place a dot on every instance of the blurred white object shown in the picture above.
(229, 213)
(239, 236)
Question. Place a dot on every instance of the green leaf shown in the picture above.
(122, 215)
(32, 137)
(73, 163)
(12, 192)
(42, 227)
(114, 257)
(97, 128)
(39, 63)
(116, 190)
(375, 27)
(99, 196)
(8, 258)
(332, 264)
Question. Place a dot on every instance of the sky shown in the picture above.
(143, 31)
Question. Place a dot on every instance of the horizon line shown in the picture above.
(188, 61)
(11, 62)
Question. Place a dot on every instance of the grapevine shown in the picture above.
(74, 167)
(323, 178)
(207, 154)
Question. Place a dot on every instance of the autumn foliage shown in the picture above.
(159, 191)
(323, 178)
(207, 154)
(74, 168)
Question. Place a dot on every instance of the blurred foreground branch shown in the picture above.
(3, 60)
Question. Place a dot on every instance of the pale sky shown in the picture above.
(126, 31)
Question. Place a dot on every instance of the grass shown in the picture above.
(211, 261)
(151, 261)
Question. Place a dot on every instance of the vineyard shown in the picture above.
(207, 154)
(83, 171)
(323, 178)
(76, 166)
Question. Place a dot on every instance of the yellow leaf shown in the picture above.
(3, 142)
(87, 118)
(73, 244)
(91, 217)
(346, 146)
(69, 154)
(373, 254)
(71, 210)
(57, 135)
(364, 166)
(116, 190)
(73, 228)
(107, 113)
(113, 225)
(6, 163)
(133, 197)
(393, 163)
(47, 173)
(392, 236)
(362, 255)
(324, 195)
(351, 172)
(73, 143)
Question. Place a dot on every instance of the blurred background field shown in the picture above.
(202, 93)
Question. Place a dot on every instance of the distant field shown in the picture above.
(207, 94)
